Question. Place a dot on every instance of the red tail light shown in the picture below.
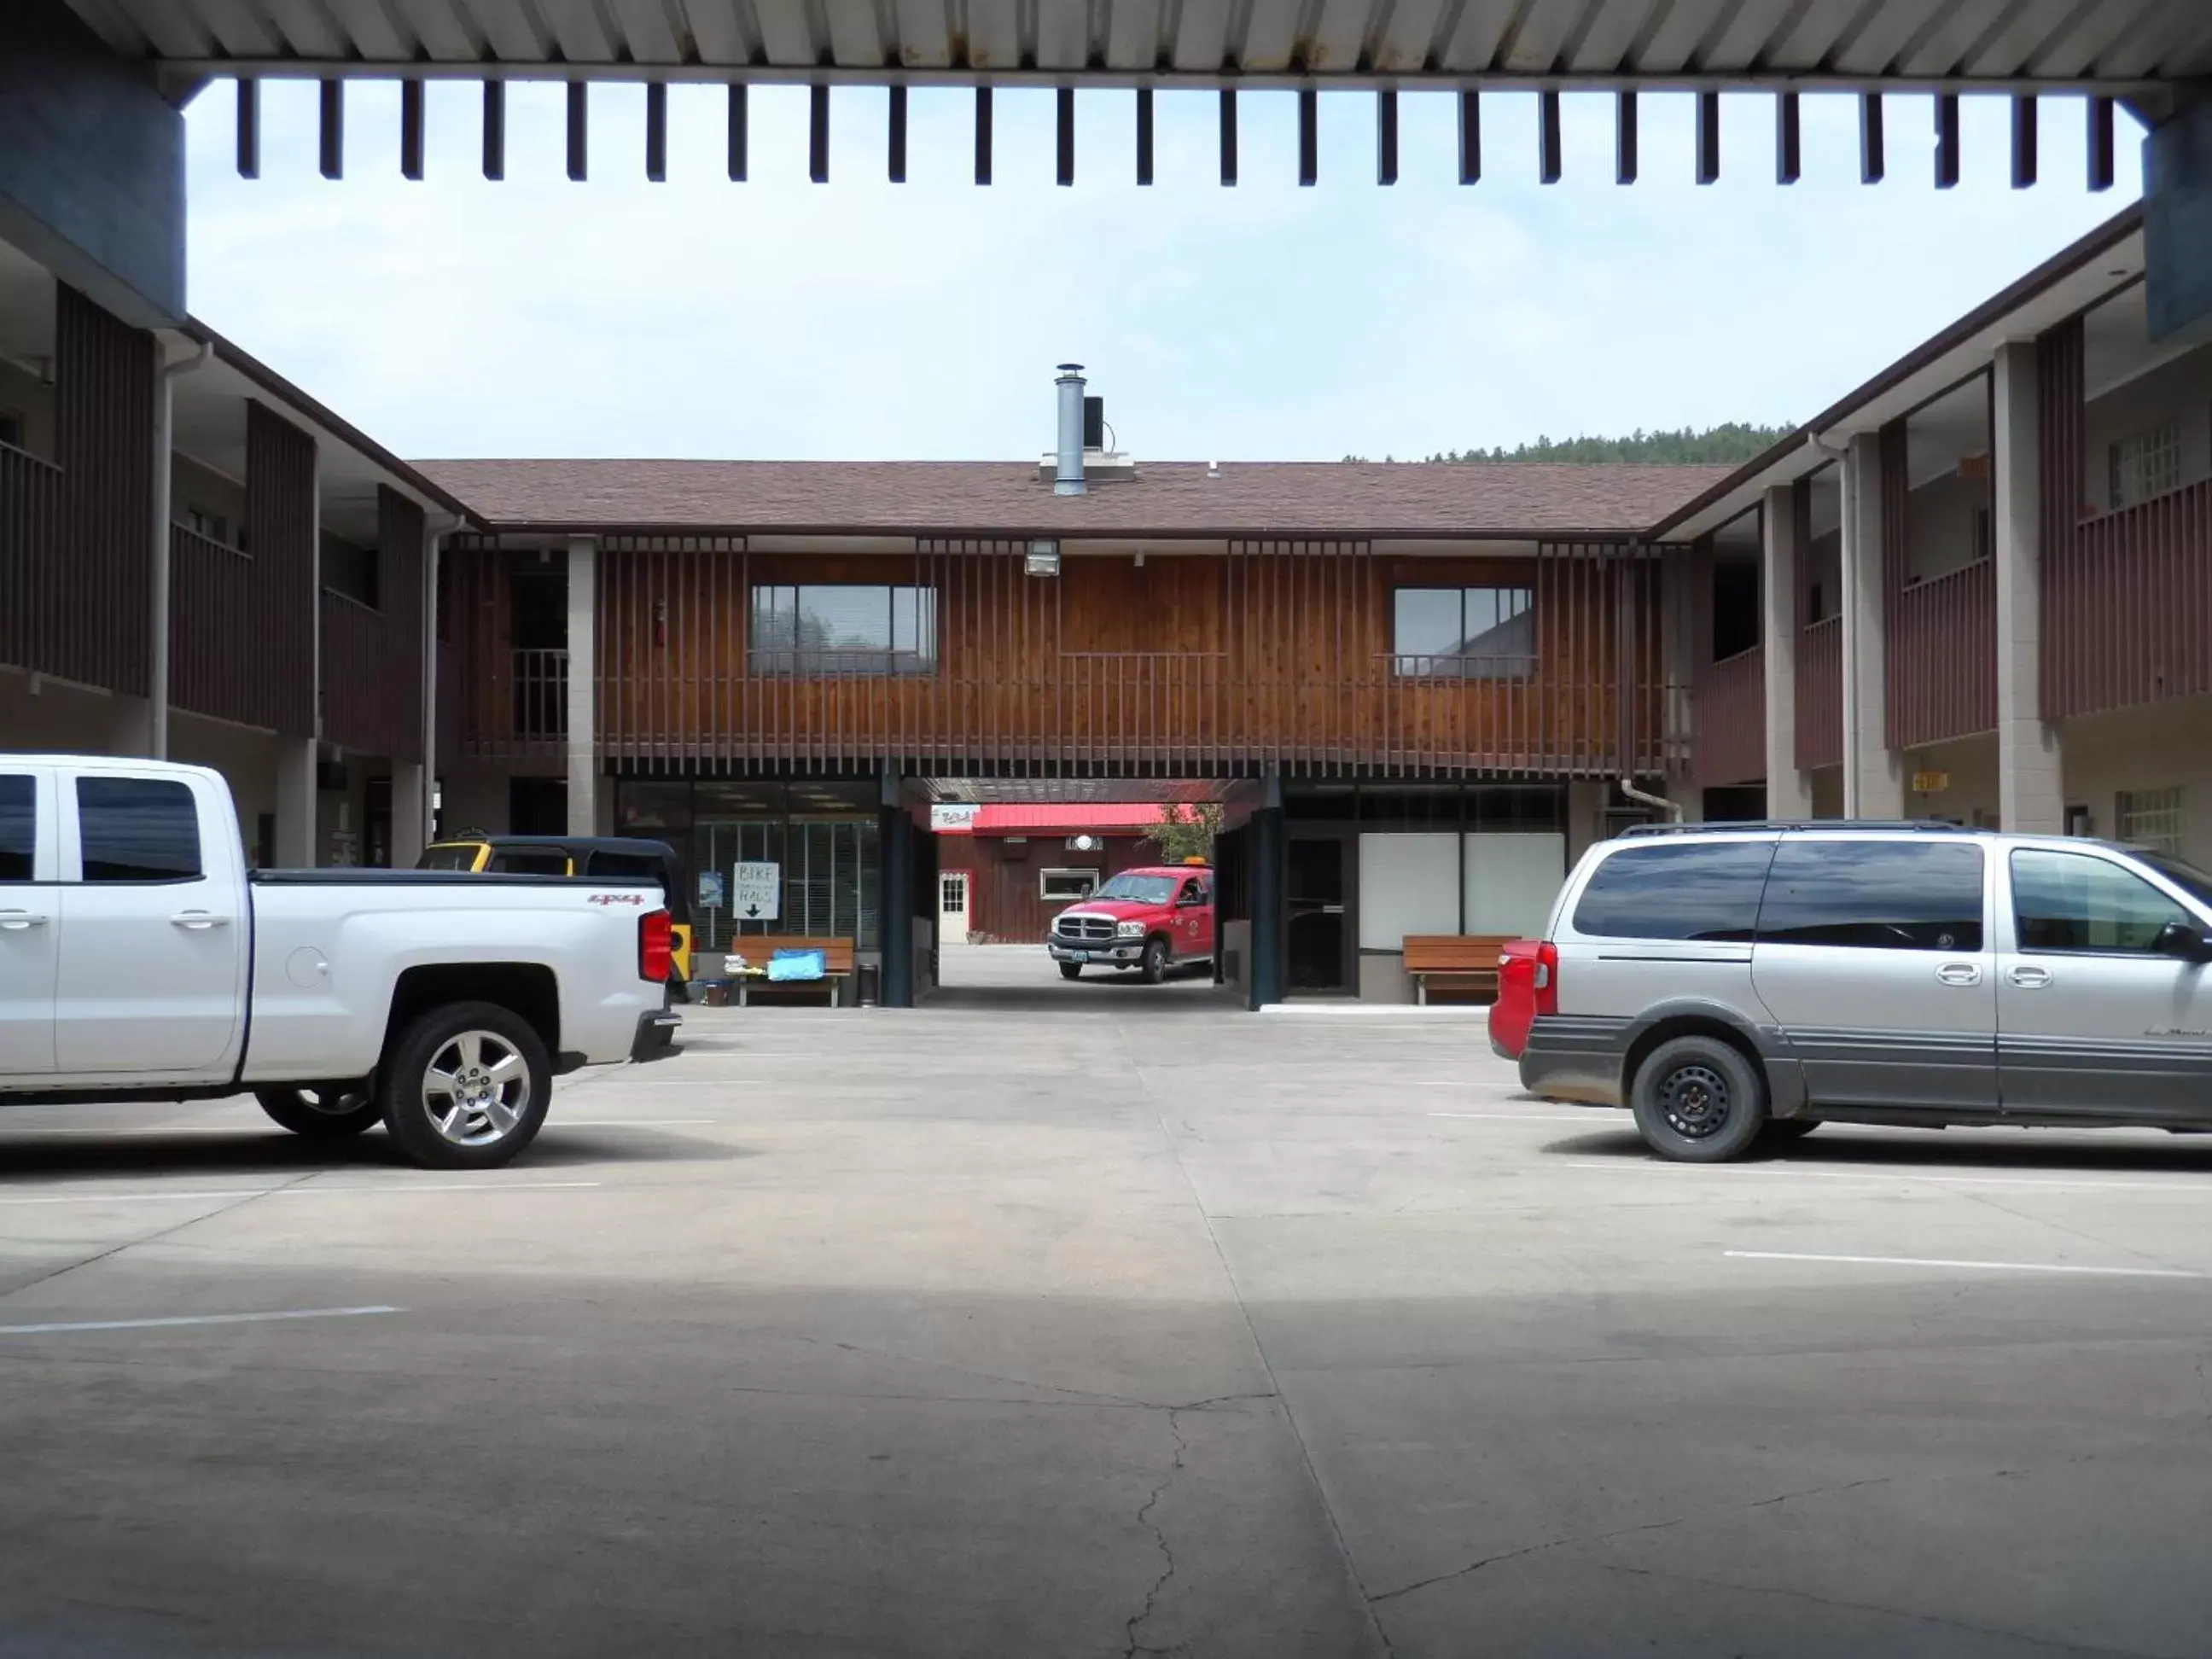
(656, 946)
(1547, 978)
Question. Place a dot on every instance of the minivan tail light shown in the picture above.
(1547, 978)
(656, 946)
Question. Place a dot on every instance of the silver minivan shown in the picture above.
(1732, 984)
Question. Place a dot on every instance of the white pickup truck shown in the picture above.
(139, 960)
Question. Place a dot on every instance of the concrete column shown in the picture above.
(583, 638)
(1874, 781)
(2030, 793)
(130, 725)
(432, 544)
(1269, 873)
(1789, 791)
(295, 803)
(895, 904)
(157, 678)
(410, 813)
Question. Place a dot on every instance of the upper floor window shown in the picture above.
(2145, 464)
(816, 629)
(2151, 818)
(1467, 632)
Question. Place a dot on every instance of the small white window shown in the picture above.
(1066, 886)
(2152, 819)
(2146, 464)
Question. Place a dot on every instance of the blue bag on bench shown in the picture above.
(785, 965)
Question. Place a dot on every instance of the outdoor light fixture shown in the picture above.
(1044, 559)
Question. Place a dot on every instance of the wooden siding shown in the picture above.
(1276, 654)
(372, 657)
(75, 536)
(1820, 693)
(2127, 607)
(1730, 713)
(1942, 663)
(1003, 906)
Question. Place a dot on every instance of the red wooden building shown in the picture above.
(1004, 874)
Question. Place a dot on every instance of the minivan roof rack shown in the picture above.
(1937, 825)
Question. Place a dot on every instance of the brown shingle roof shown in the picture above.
(1167, 498)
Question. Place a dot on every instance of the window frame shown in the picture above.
(2129, 459)
(1462, 665)
(922, 661)
(2131, 806)
(1093, 875)
(2125, 953)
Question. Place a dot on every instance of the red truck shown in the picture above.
(1152, 919)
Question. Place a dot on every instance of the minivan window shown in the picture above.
(2071, 901)
(1703, 889)
(19, 825)
(1874, 895)
(138, 830)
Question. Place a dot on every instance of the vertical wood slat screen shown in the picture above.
(371, 660)
(1819, 735)
(1939, 659)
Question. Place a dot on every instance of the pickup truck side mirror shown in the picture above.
(2183, 940)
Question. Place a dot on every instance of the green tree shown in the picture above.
(1187, 831)
(1730, 444)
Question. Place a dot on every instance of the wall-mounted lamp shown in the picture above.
(1044, 559)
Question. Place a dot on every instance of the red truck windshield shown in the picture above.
(1139, 889)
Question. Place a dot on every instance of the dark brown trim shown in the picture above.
(1246, 532)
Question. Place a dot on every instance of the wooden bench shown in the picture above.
(1471, 958)
(757, 948)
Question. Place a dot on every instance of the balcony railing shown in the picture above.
(518, 710)
(1820, 693)
(215, 606)
(1941, 671)
(30, 567)
(1729, 715)
(2127, 608)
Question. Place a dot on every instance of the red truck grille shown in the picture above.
(1083, 929)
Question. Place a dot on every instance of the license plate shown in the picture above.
(1078, 955)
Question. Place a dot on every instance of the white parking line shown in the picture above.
(1991, 1266)
(2202, 1190)
(393, 1190)
(271, 1130)
(1512, 1117)
(196, 1319)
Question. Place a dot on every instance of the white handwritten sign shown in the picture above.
(756, 892)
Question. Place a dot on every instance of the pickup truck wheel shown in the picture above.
(466, 1086)
(321, 1112)
(1070, 970)
(1156, 961)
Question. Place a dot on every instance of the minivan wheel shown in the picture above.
(330, 1111)
(1698, 1100)
(466, 1086)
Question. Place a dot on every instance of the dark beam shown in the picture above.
(495, 129)
(249, 128)
(1789, 140)
(656, 131)
(333, 129)
(739, 134)
(1064, 133)
(1547, 135)
(1947, 140)
(817, 132)
(579, 130)
(2102, 150)
(411, 130)
(2023, 140)
(894, 162)
(1470, 136)
(1386, 137)
(1229, 135)
(1709, 137)
(982, 135)
(1309, 135)
(1144, 135)
(1623, 136)
(1871, 162)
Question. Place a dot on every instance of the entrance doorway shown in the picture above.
(952, 906)
(1318, 941)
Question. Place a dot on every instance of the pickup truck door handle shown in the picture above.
(2030, 979)
(1959, 973)
(16, 920)
(198, 920)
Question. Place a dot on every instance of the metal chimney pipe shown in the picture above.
(1069, 481)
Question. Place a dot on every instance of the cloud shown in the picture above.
(860, 318)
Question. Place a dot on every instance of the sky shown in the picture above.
(860, 320)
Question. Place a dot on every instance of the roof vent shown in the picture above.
(1068, 479)
(1085, 456)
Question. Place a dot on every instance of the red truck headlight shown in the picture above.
(656, 946)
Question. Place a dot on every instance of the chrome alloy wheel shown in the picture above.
(476, 1089)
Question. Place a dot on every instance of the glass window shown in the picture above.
(19, 825)
(2183, 874)
(1688, 890)
(2152, 819)
(2073, 902)
(1139, 889)
(529, 861)
(626, 867)
(1467, 632)
(1193, 893)
(451, 855)
(1066, 886)
(2145, 464)
(1874, 895)
(138, 830)
(846, 629)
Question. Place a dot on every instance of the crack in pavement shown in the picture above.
(1160, 1539)
(1621, 1532)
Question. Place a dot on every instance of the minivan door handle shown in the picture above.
(1959, 973)
(2030, 979)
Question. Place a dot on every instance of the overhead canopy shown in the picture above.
(2114, 45)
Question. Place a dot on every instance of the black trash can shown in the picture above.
(865, 977)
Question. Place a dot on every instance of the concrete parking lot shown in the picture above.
(1121, 1323)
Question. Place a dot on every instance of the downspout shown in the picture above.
(157, 690)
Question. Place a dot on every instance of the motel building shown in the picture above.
(1977, 588)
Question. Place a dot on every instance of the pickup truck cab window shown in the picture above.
(138, 830)
(18, 826)
(1142, 889)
